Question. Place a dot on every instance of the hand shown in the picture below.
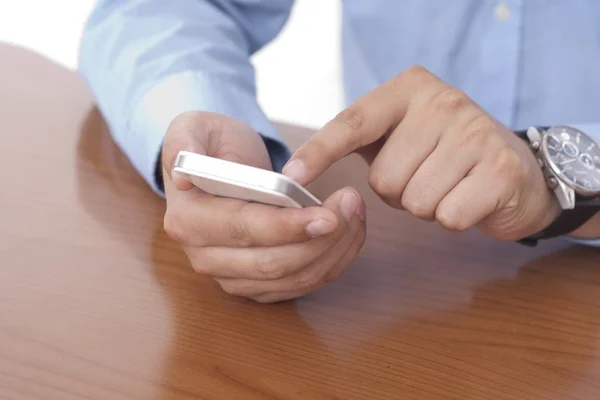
(438, 155)
(252, 250)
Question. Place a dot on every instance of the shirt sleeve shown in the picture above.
(147, 61)
(593, 130)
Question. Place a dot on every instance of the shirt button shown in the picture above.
(502, 12)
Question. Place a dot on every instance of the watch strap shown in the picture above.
(567, 222)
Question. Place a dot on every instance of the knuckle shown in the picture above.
(239, 233)
(268, 269)
(353, 117)
(481, 122)
(450, 220)
(229, 287)
(308, 280)
(419, 198)
(266, 299)
(417, 76)
(194, 121)
(417, 207)
(200, 263)
(382, 185)
(213, 127)
(415, 72)
(511, 167)
(192, 115)
(174, 226)
(478, 130)
(182, 120)
(450, 101)
(334, 275)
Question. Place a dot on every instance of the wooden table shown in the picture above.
(97, 303)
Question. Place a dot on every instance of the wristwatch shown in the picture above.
(570, 161)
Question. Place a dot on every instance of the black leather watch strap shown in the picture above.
(569, 220)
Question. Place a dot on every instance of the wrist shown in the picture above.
(552, 211)
(563, 153)
(545, 202)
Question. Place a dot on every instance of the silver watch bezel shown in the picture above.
(556, 172)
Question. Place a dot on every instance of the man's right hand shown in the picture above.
(253, 250)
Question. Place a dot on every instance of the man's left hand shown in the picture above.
(437, 154)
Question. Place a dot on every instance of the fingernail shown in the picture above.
(295, 170)
(349, 206)
(319, 227)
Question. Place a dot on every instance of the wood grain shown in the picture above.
(97, 303)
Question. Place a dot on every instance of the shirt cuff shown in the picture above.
(192, 91)
(585, 242)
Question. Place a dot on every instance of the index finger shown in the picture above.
(361, 124)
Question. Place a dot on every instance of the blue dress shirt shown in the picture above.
(527, 62)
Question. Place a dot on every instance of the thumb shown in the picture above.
(346, 203)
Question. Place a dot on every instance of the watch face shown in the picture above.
(575, 157)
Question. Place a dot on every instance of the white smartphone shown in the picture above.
(229, 179)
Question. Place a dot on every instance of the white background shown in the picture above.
(298, 75)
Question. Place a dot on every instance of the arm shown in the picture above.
(176, 75)
(462, 168)
(148, 61)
